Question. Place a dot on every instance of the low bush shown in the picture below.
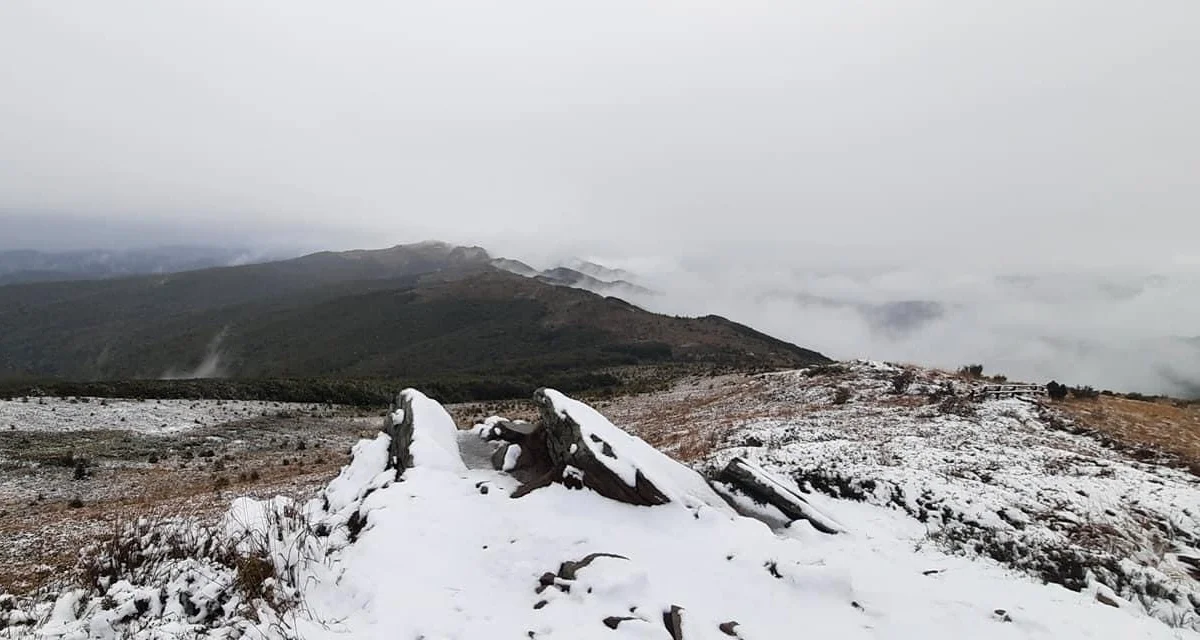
(974, 371)
(1084, 393)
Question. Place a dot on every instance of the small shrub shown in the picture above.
(153, 459)
(1084, 393)
(75, 503)
(825, 370)
(252, 574)
(901, 382)
(971, 371)
(842, 395)
(958, 406)
(1055, 390)
(220, 483)
(81, 472)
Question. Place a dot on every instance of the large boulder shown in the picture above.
(574, 445)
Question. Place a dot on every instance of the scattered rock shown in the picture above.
(612, 622)
(1103, 598)
(673, 621)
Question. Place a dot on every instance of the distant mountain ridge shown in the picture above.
(20, 266)
(421, 309)
(588, 276)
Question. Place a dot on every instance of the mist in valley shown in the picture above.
(1119, 330)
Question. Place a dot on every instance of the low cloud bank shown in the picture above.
(1123, 331)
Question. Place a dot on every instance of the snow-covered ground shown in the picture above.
(1011, 480)
(140, 416)
(444, 552)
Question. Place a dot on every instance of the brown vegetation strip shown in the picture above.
(1160, 426)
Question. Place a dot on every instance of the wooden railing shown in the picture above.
(1010, 390)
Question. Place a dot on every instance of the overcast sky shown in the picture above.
(791, 165)
(1010, 133)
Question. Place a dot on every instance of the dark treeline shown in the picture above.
(366, 392)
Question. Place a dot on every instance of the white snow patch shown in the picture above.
(511, 455)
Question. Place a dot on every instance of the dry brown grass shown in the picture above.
(1139, 424)
(52, 533)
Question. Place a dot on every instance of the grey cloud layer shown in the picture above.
(1013, 131)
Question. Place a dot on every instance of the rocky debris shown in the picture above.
(729, 628)
(744, 478)
(568, 572)
(612, 622)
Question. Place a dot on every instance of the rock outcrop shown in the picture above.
(575, 446)
(741, 478)
(422, 433)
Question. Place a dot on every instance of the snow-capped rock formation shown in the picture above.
(424, 539)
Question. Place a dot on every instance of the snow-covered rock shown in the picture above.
(422, 433)
(575, 445)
